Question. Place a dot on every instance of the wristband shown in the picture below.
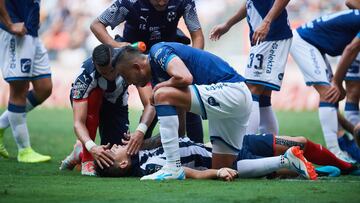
(142, 127)
(89, 144)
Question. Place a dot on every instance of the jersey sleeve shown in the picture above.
(115, 14)
(190, 16)
(82, 86)
(162, 55)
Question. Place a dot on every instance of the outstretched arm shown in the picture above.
(353, 4)
(223, 173)
(219, 30)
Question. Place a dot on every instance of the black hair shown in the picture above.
(112, 171)
(102, 55)
(125, 55)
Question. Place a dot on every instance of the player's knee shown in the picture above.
(161, 96)
(18, 91)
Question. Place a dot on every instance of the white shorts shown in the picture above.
(353, 73)
(266, 63)
(23, 58)
(313, 65)
(227, 106)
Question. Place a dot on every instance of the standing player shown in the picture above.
(153, 21)
(99, 85)
(270, 37)
(23, 59)
(188, 79)
(330, 35)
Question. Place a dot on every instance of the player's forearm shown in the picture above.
(353, 4)
(197, 39)
(346, 59)
(4, 16)
(241, 14)
(275, 11)
(81, 132)
(151, 143)
(180, 81)
(148, 115)
(196, 174)
(101, 33)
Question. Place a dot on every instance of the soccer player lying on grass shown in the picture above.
(189, 79)
(99, 98)
(196, 160)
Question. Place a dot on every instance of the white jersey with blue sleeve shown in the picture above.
(206, 68)
(331, 33)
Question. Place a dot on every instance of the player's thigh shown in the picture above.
(262, 145)
(266, 63)
(179, 97)
(17, 56)
(42, 88)
(221, 100)
(18, 92)
(310, 61)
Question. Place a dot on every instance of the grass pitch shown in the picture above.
(51, 133)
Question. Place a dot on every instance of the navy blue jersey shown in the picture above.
(331, 33)
(89, 78)
(206, 68)
(144, 23)
(256, 12)
(192, 155)
(27, 11)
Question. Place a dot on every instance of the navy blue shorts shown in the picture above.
(257, 146)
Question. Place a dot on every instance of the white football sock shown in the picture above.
(169, 126)
(18, 125)
(352, 113)
(329, 125)
(251, 168)
(254, 119)
(4, 120)
(268, 121)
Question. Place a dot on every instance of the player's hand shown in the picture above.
(102, 156)
(18, 29)
(121, 44)
(217, 31)
(261, 33)
(135, 142)
(335, 93)
(227, 174)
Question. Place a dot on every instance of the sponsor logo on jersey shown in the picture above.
(271, 57)
(25, 65)
(212, 102)
(81, 85)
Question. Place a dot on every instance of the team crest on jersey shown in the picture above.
(113, 8)
(281, 76)
(212, 102)
(171, 16)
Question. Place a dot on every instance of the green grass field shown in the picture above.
(51, 133)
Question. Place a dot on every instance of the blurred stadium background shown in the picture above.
(66, 34)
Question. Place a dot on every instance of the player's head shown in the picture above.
(159, 5)
(133, 66)
(121, 166)
(101, 57)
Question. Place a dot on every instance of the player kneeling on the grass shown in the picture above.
(196, 160)
(99, 96)
(194, 80)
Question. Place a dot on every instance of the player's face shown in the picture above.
(159, 5)
(119, 152)
(107, 72)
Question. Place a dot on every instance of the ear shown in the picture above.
(137, 66)
(123, 164)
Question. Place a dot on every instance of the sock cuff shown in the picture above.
(264, 101)
(255, 97)
(32, 99)
(16, 108)
(328, 104)
(165, 110)
(351, 106)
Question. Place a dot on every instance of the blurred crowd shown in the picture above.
(65, 23)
